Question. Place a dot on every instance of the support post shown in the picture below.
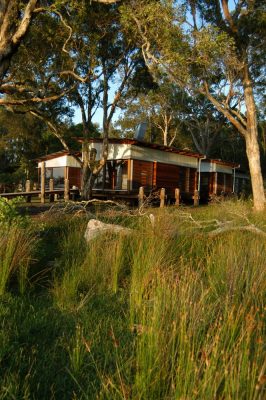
(51, 188)
(28, 186)
(196, 197)
(66, 194)
(141, 196)
(43, 182)
(129, 168)
(51, 184)
(177, 197)
(162, 198)
(215, 184)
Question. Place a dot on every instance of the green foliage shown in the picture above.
(9, 212)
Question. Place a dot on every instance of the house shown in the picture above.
(132, 164)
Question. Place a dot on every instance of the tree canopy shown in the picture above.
(208, 48)
(201, 69)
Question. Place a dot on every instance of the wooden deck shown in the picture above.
(74, 193)
(131, 197)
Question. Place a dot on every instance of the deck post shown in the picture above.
(141, 196)
(28, 186)
(51, 184)
(27, 190)
(43, 182)
(196, 197)
(162, 198)
(51, 188)
(66, 193)
(177, 197)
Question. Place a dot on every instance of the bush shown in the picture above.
(9, 212)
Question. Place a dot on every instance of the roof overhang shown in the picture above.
(221, 162)
(139, 143)
(58, 154)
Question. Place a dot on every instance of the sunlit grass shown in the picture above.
(167, 312)
(16, 250)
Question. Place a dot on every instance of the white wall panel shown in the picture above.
(62, 161)
(147, 154)
(214, 167)
(115, 151)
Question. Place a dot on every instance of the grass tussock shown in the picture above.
(168, 312)
(16, 249)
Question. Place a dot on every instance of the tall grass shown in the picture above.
(165, 313)
(16, 250)
(89, 268)
(197, 317)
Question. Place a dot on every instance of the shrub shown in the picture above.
(9, 212)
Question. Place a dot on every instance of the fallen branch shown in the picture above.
(218, 227)
(249, 228)
(97, 201)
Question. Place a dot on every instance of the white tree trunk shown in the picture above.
(252, 145)
(253, 155)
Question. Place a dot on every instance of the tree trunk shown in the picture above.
(253, 155)
(88, 183)
(84, 183)
(250, 133)
(252, 146)
(86, 172)
(13, 29)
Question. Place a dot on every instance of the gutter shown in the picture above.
(234, 177)
(199, 164)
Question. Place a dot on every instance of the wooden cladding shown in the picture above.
(167, 176)
(142, 174)
(74, 177)
(155, 175)
(224, 183)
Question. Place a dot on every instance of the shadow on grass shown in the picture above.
(39, 346)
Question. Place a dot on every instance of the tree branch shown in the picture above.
(228, 16)
(34, 100)
(55, 132)
(238, 125)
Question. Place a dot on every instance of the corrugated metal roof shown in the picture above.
(145, 144)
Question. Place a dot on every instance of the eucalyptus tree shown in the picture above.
(19, 146)
(203, 123)
(103, 59)
(212, 48)
(83, 50)
(162, 108)
(16, 17)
